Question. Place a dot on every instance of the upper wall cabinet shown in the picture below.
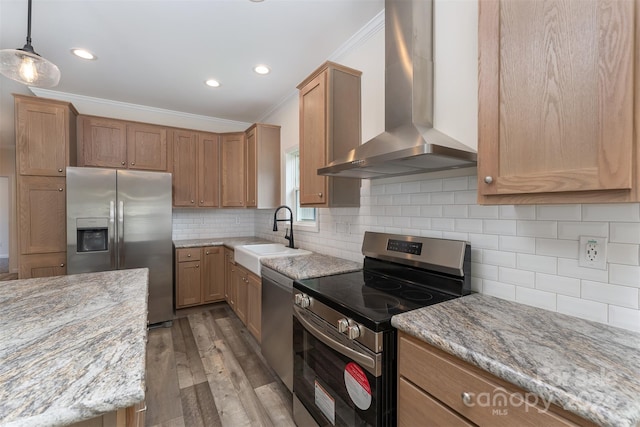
(263, 166)
(45, 136)
(329, 129)
(557, 85)
(196, 168)
(111, 143)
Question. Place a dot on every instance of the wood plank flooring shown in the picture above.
(207, 370)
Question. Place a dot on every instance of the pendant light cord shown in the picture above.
(29, 24)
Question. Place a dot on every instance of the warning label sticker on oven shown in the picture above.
(357, 385)
(325, 403)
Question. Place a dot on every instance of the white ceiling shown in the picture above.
(158, 53)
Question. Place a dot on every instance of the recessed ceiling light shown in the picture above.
(212, 83)
(261, 69)
(83, 53)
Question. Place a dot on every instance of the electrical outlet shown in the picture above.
(593, 252)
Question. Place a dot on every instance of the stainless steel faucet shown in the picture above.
(288, 234)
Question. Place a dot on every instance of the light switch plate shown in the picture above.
(593, 252)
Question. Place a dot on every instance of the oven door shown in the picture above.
(337, 380)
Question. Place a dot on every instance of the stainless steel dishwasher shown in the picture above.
(277, 323)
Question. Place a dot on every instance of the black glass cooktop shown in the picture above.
(369, 297)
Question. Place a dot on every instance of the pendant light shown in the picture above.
(26, 66)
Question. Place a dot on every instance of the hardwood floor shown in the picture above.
(207, 370)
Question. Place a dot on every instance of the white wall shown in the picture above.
(523, 253)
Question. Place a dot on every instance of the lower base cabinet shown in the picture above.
(254, 305)
(199, 276)
(243, 292)
(43, 265)
(436, 388)
(133, 416)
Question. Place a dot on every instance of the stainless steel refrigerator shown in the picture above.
(119, 219)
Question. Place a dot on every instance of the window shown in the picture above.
(304, 217)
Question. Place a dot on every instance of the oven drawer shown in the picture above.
(415, 406)
(490, 400)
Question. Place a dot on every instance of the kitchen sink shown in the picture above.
(249, 256)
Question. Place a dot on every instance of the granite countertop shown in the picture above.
(230, 242)
(72, 347)
(308, 266)
(588, 368)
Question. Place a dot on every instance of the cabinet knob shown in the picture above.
(197, 265)
(62, 265)
(466, 398)
(133, 163)
(192, 201)
(59, 169)
(488, 179)
(319, 194)
(207, 253)
(188, 255)
(123, 163)
(60, 189)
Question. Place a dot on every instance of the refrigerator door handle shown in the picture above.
(121, 234)
(112, 233)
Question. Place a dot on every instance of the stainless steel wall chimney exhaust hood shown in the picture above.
(409, 144)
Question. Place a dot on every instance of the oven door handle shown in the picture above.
(369, 363)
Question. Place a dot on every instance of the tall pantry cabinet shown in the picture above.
(45, 146)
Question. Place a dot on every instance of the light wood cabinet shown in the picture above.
(45, 136)
(239, 285)
(133, 416)
(112, 143)
(262, 166)
(45, 146)
(558, 102)
(329, 129)
(213, 274)
(199, 275)
(232, 153)
(254, 305)
(195, 169)
(229, 267)
(436, 388)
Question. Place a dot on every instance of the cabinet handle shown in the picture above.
(123, 163)
(62, 265)
(466, 398)
(59, 169)
(60, 189)
(488, 179)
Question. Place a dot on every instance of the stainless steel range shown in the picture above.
(344, 344)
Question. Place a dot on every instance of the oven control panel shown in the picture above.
(404, 246)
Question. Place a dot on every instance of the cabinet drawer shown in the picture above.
(491, 401)
(416, 406)
(188, 254)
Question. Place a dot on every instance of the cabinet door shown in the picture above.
(185, 174)
(42, 138)
(313, 137)
(43, 265)
(189, 289)
(415, 407)
(254, 305)
(228, 275)
(556, 98)
(103, 142)
(42, 214)
(233, 170)
(147, 147)
(208, 170)
(240, 293)
(252, 169)
(213, 273)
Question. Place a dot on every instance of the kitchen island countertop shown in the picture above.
(588, 368)
(309, 266)
(72, 347)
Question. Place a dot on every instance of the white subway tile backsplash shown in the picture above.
(573, 230)
(537, 228)
(431, 185)
(444, 224)
(484, 241)
(455, 184)
(536, 298)
(504, 227)
(393, 210)
(518, 212)
(431, 211)
(384, 200)
(476, 284)
(537, 263)
(484, 271)
(517, 277)
(571, 268)
(625, 232)
(401, 199)
(619, 253)
(525, 245)
(392, 188)
(628, 275)
(455, 211)
(442, 198)
(624, 318)
(585, 309)
(473, 182)
(499, 258)
(499, 290)
(419, 199)
(484, 212)
(468, 225)
(476, 255)
(420, 223)
(452, 235)
(624, 296)
(410, 210)
(559, 212)
(410, 187)
(557, 248)
(611, 212)
(465, 197)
